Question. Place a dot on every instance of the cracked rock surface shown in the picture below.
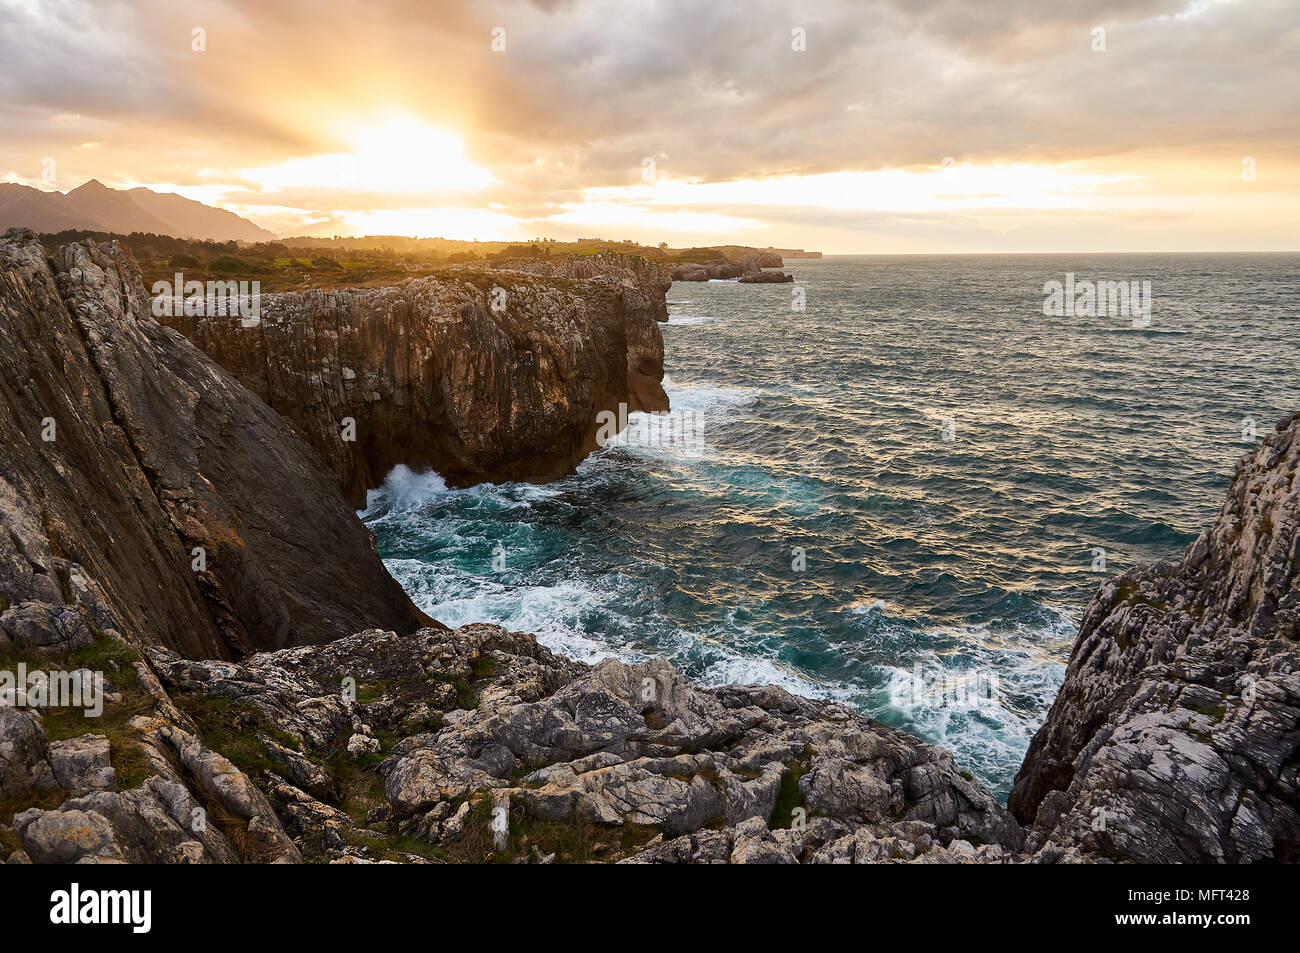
(1176, 733)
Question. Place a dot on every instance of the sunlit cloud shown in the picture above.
(608, 211)
(399, 154)
(458, 223)
(952, 186)
(407, 122)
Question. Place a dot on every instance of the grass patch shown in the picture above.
(484, 666)
(573, 841)
(360, 787)
(115, 660)
(1216, 713)
(231, 730)
(790, 796)
(388, 847)
(45, 798)
(1130, 594)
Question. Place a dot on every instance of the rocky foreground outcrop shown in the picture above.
(144, 491)
(480, 374)
(1176, 735)
(476, 745)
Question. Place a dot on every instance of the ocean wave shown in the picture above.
(823, 430)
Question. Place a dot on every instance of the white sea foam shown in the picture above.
(405, 487)
(683, 432)
(736, 669)
(986, 708)
(707, 396)
(878, 605)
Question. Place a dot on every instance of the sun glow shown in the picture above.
(398, 154)
(457, 223)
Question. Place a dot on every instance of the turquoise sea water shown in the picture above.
(949, 461)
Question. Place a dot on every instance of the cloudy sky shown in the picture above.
(862, 126)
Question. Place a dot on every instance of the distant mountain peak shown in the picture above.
(96, 206)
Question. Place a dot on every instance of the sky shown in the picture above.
(864, 126)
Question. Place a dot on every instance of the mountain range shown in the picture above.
(98, 207)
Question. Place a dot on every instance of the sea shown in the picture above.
(895, 482)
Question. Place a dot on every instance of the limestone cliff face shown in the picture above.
(123, 450)
(747, 270)
(480, 374)
(1176, 735)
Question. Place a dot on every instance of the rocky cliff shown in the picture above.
(1176, 735)
(382, 744)
(228, 734)
(480, 374)
(721, 268)
(748, 269)
(145, 492)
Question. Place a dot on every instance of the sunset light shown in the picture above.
(852, 433)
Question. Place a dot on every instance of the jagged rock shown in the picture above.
(766, 278)
(154, 823)
(716, 270)
(122, 446)
(747, 269)
(266, 840)
(70, 836)
(24, 754)
(360, 745)
(613, 744)
(479, 374)
(82, 765)
(310, 821)
(1176, 735)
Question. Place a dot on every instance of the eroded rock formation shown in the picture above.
(379, 747)
(482, 375)
(143, 490)
(747, 269)
(1176, 735)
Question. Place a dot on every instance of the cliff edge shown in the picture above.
(143, 490)
(1176, 733)
(479, 374)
